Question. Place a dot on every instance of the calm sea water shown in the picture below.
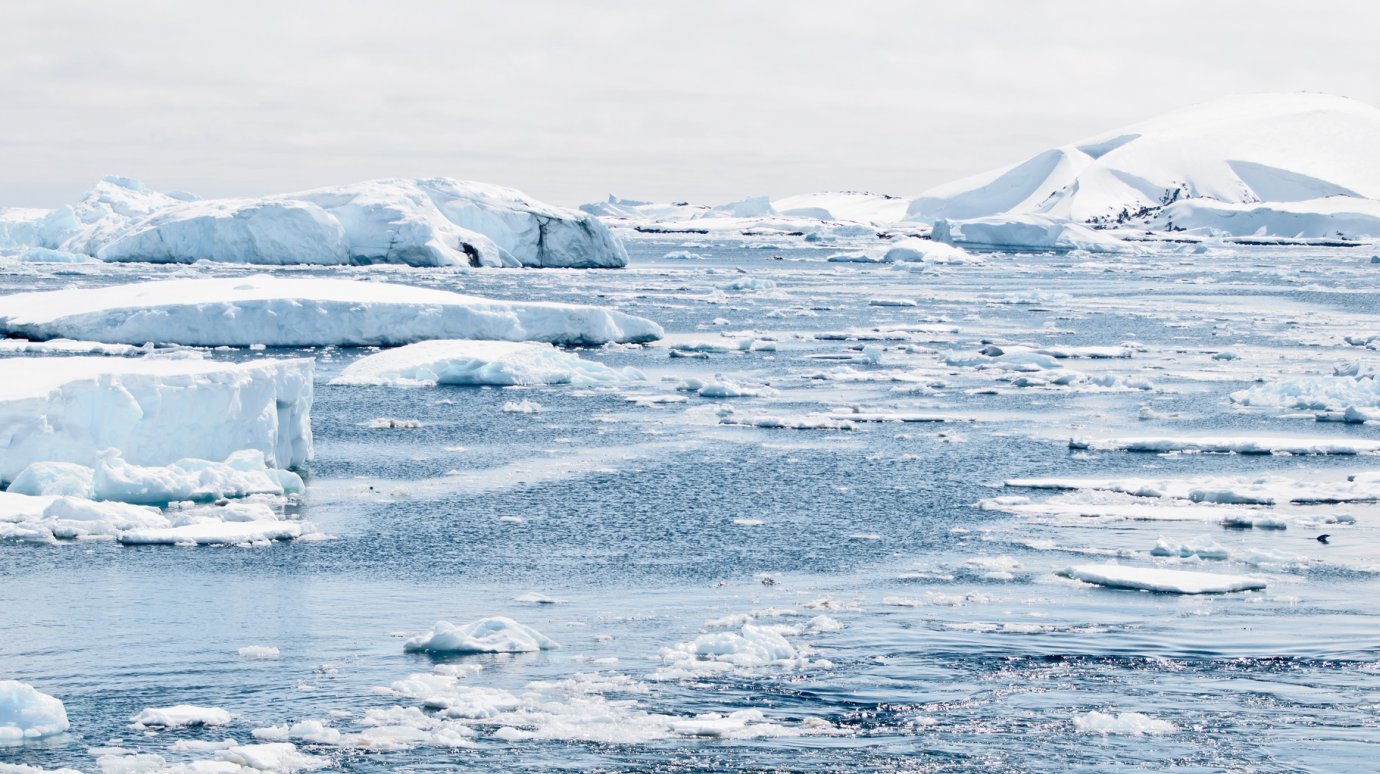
(960, 648)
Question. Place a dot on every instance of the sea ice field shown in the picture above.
(1065, 511)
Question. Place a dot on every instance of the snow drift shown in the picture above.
(155, 411)
(426, 222)
(277, 312)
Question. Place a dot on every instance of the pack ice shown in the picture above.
(155, 411)
(428, 222)
(280, 312)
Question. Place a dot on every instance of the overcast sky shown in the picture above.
(570, 101)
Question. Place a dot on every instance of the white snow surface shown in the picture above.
(1161, 580)
(27, 713)
(279, 312)
(155, 411)
(475, 362)
(421, 222)
(1237, 150)
(495, 634)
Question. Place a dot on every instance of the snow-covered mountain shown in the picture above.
(429, 222)
(1314, 152)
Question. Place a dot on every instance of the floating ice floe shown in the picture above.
(1121, 723)
(179, 716)
(1233, 445)
(242, 474)
(155, 411)
(296, 312)
(474, 362)
(1238, 490)
(495, 634)
(27, 714)
(421, 222)
(722, 387)
(779, 422)
(1157, 579)
(258, 652)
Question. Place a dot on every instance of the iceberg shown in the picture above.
(474, 362)
(155, 411)
(278, 312)
(419, 222)
(27, 713)
(1025, 232)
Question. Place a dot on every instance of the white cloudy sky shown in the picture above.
(569, 101)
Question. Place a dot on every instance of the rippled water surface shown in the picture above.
(960, 648)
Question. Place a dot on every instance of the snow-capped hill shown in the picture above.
(428, 222)
(1237, 150)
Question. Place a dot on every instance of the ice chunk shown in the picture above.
(181, 715)
(470, 362)
(155, 411)
(495, 634)
(27, 713)
(294, 312)
(258, 652)
(1161, 580)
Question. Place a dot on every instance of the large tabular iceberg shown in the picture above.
(155, 411)
(241, 312)
(427, 222)
(467, 362)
